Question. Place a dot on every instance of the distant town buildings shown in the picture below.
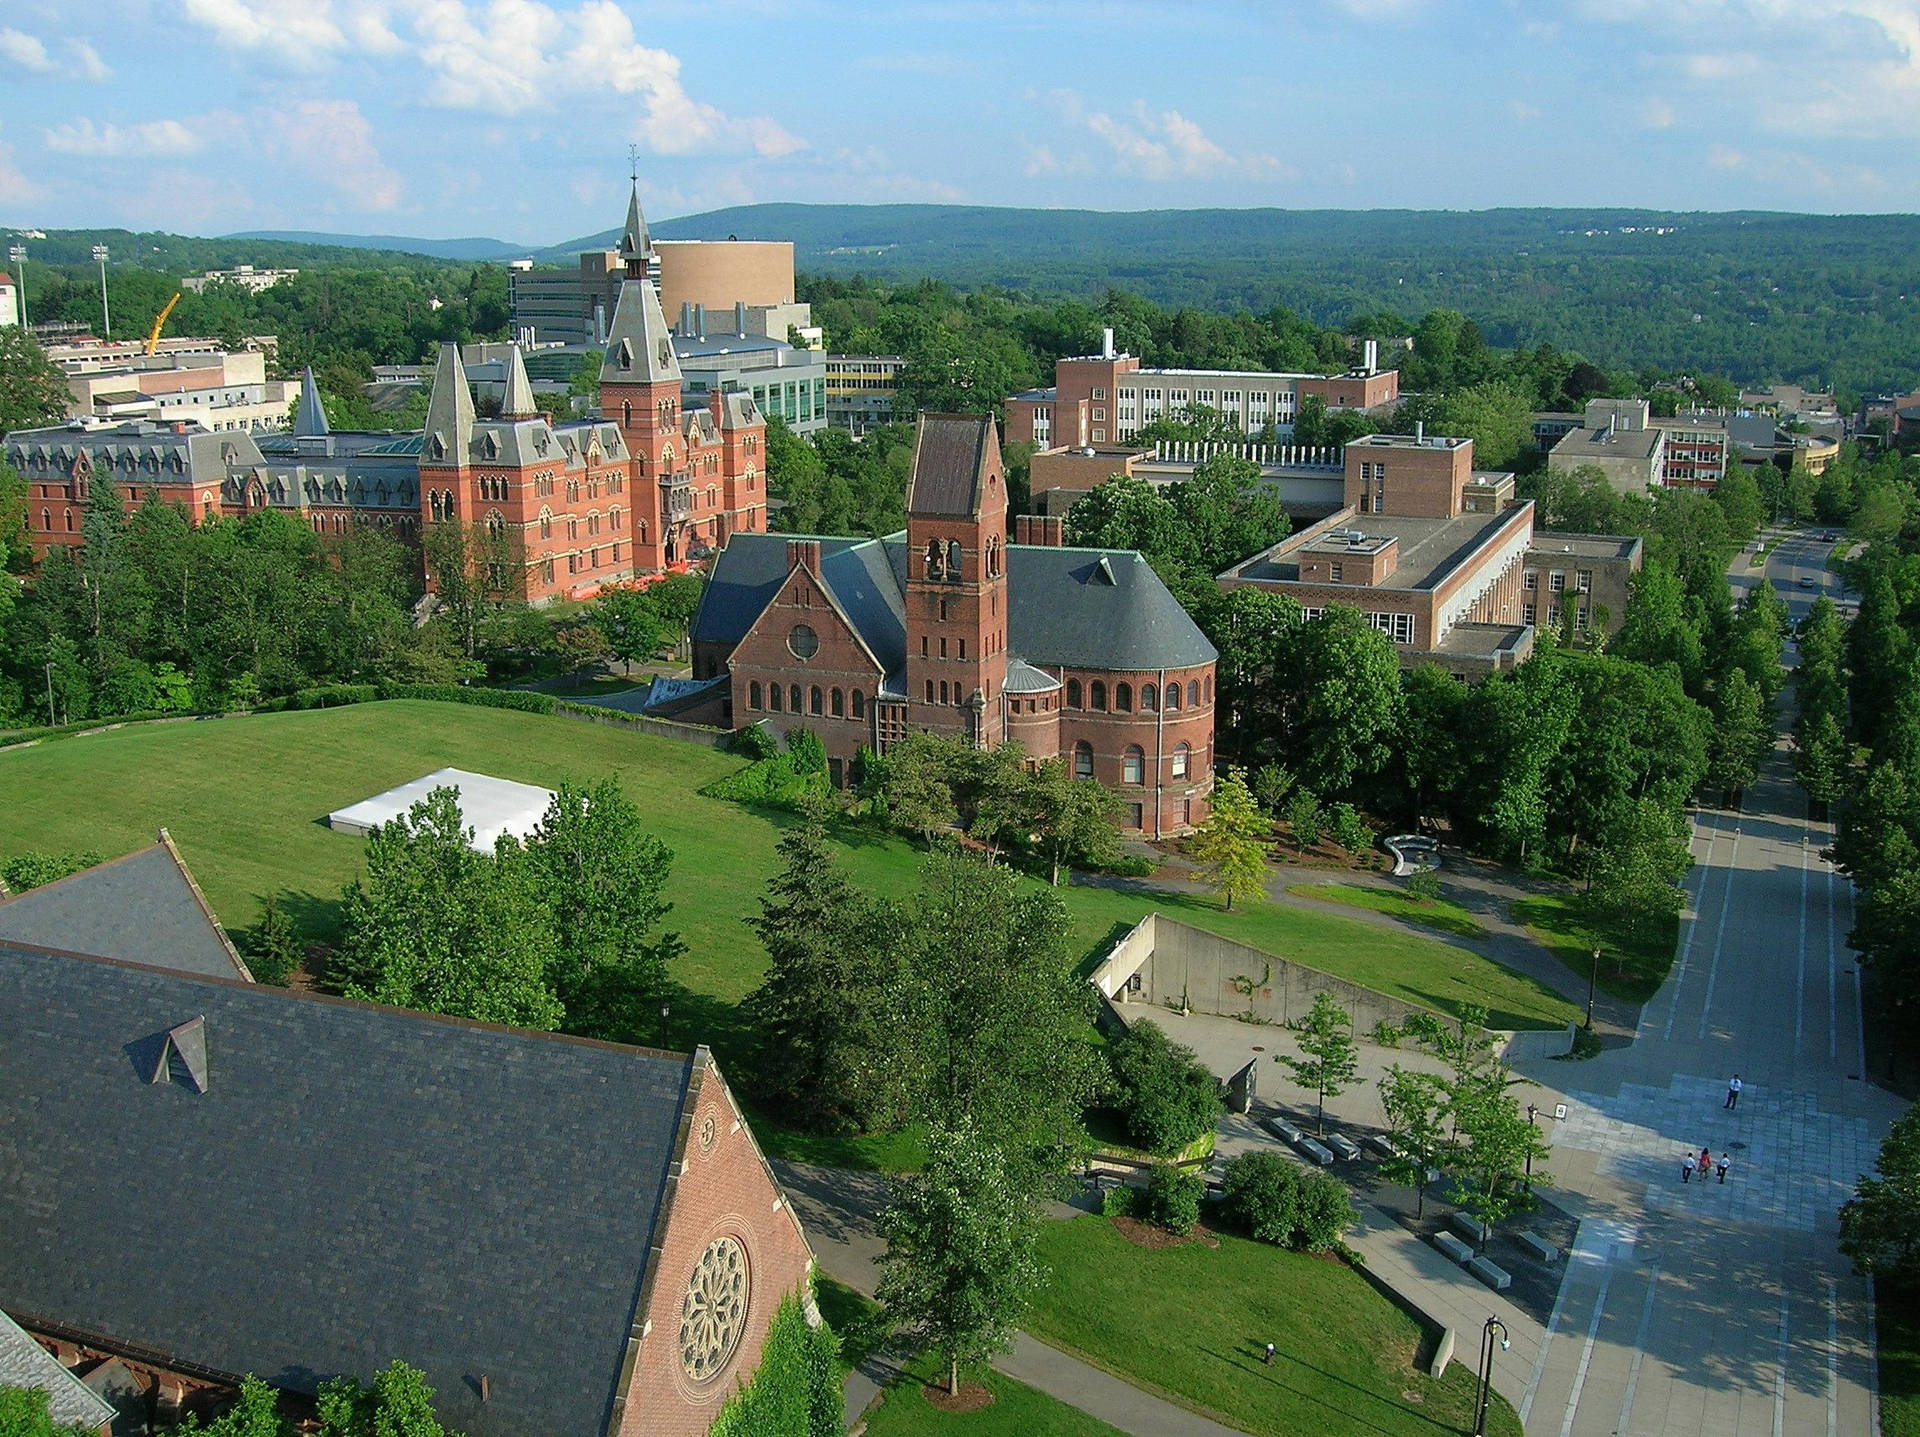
(9, 300)
(244, 275)
(1109, 397)
(190, 381)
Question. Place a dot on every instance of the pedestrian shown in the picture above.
(1724, 1165)
(1706, 1163)
(1734, 1085)
(1686, 1167)
(1268, 1359)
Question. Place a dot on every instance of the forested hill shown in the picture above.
(1754, 295)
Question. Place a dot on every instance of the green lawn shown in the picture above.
(1017, 1411)
(1632, 971)
(1437, 913)
(1898, 1310)
(1192, 1321)
(245, 798)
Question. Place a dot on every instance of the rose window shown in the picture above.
(713, 1314)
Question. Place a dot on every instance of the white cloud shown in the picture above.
(1163, 144)
(301, 32)
(1522, 111)
(147, 140)
(91, 66)
(25, 51)
(332, 142)
(15, 187)
(1725, 157)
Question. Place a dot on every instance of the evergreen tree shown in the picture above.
(273, 949)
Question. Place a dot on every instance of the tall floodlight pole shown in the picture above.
(17, 254)
(106, 319)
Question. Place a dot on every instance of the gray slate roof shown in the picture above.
(356, 1185)
(949, 454)
(450, 414)
(143, 908)
(25, 1363)
(1067, 609)
(639, 343)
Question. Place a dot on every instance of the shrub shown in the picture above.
(1386, 1034)
(774, 782)
(31, 870)
(1276, 1200)
(1166, 1098)
(1172, 1198)
(273, 950)
(1304, 818)
(753, 742)
(795, 1391)
(809, 755)
(1119, 1201)
(1424, 886)
(1349, 830)
(517, 699)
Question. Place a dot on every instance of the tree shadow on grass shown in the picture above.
(1248, 1361)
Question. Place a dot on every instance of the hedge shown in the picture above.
(796, 1392)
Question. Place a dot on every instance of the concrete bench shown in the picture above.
(1283, 1129)
(1381, 1145)
(1313, 1150)
(1343, 1145)
(1492, 1275)
(1538, 1246)
(1471, 1228)
(1453, 1247)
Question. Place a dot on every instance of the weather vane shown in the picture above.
(633, 163)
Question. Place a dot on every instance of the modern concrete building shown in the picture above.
(861, 390)
(1589, 572)
(244, 275)
(1108, 397)
(215, 389)
(1309, 481)
(1428, 548)
(1616, 437)
(785, 382)
(1696, 449)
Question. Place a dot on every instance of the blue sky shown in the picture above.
(512, 118)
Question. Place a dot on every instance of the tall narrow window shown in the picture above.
(1123, 698)
(1149, 697)
(1083, 760)
(837, 704)
(1098, 696)
(1173, 696)
(1073, 693)
(859, 704)
(753, 694)
(793, 696)
(816, 700)
(1133, 765)
(1181, 753)
(773, 697)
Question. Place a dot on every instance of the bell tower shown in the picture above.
(957, 579)
(640, 391)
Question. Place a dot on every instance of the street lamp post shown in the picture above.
(18, 255)
(106, 318)
(1593, 978)
(1531, 1110)
(1492, 1325)
(52, 722)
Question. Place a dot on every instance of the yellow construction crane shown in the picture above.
(153, 335)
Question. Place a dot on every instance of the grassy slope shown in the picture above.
(1632, 971)
(1447, 917)
(1192, 1320)
(1017, 1410)
(1899, 1320)
(245, 799)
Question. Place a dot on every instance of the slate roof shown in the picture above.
(1068, 608)
(25, 1363)
(450, 414)
(639, 344)
(310, 418)
(355, 1185)
(949, 456)
(144, 907)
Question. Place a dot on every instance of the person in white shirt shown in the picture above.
(1734, 1085)
(1725, 1163)
(1686, 1167)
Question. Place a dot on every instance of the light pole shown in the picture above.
(52, 722)
(1593, 978)
(1531, 1110)
(1492, 1325)
(18, 255)
(106, 319)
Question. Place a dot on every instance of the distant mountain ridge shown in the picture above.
(471, 248)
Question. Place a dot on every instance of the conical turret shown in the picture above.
(639, 344)
(449, 430)
(517, 402)
(310, 419)
(636, 245)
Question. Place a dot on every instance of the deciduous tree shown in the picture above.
(1229, 847)
(1328, 1058)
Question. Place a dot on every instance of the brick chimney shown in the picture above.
(1045, 530)
(805, 554)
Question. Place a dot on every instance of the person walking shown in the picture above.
(1686, 1167)
(1267, 1360)
(1734, 1085)
(1724, 1164)
(1706, 1162)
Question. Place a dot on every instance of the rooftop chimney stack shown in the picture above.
(1106, 342)
(1419, 431)
(1372, 351)
(699, 321)
(740, 318)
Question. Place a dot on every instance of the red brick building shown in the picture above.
(950, 628)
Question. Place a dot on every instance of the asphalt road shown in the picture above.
(1711, 1308)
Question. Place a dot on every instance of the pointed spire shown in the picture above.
(517, 402)
(311, 418)
(449, 431)
(636, 245)
(639, 344)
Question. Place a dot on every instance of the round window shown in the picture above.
(713, 1310)
(804, 642)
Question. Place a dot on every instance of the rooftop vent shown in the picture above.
(183, 1055)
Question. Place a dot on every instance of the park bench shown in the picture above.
(1493, 1275)
(1453, 1247)
(1538, 1246)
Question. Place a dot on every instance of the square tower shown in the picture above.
(957, 578)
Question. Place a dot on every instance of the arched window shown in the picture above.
(793, 693)
(69, 521)
(1209, 688)
(929, 690)
(1133, 765)
(1123, 698)
(953, 558)
(1149, 697)
(816, 701)
(546, 524)
(626, 413)
(943, 691)
(1073, 693)
(753, 694)
(1193, 693)
(1097, 696)
(496, 526)
(1173, 696)
(773, 697)
(46, 521)
(1180, 754)
(859, 704)
(1083, 760)
(934, 567)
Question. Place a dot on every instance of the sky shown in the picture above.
(513, 118)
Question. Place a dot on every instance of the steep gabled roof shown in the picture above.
(354, 1185)
(310, 419)
(639, 344)
(449, 427)
(635, 242)
(951, 454)
(517, 402)
(25, 1363)
(144, 907)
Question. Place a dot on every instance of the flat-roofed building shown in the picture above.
(245, 276)
(861, 390)
(1617, 437)
(1308, 480)
(1590, 573)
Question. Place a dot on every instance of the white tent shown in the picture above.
(490, 806)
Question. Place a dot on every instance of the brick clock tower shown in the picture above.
(957, 580)
(640, 390)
